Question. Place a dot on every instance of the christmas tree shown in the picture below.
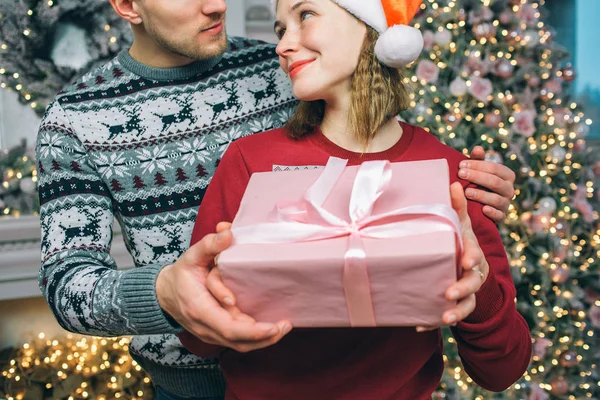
(491, 74)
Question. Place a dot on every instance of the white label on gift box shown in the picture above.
(277, 168)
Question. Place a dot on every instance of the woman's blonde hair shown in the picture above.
(377, 94)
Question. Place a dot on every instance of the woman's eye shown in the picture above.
(279, 33)
(305, 15)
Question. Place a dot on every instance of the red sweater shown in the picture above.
(364, 363)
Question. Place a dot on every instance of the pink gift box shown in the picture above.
(304, 281)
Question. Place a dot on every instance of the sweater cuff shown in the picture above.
(489, 301)
(138, 291)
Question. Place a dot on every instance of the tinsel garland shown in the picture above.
(74, 368)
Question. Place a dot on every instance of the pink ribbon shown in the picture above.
(307, 220)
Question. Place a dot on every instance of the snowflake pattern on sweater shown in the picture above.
(120, 145)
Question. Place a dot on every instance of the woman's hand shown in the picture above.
(497, 178)
(475, 268)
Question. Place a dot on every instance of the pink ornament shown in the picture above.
(568, 359)
(453, 119)
(531, 38)
(539, 222)
(591, 295)
(554, 86)
(527, 204)
(524, 123)
(505, 17)
(580, 145)
(559, 275)
(484, 30)
(515, 35)
(509, 99)
(492, 120)
(427, 71)
(563, 229)
(537, 393)
(443, 37)
(480, 15)
(528, 14)
(428, 39)
(504, 69)
(582, 205)
(474, 66)
(560, 255)
(458, 87)
(533, 81)
(596, 169)
(559, 386)
(568, 73)
(481, 88)
(594, 315)
(560, 116)
(540, 347)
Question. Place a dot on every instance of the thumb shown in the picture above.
(459, 202)
(477, 153)
(203, 252)
(221, 226)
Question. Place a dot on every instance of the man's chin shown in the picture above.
(215, 48)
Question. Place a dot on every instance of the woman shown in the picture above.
(343, 69)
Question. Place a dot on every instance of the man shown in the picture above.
(138, 139)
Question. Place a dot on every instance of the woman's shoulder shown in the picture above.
(427, 144)
(267, 138)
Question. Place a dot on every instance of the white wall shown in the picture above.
(236, 25)
(17, 121)
(22, 320)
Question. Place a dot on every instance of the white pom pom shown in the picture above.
(399, 46)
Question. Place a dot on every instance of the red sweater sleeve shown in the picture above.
(494, 342)
(220, 203)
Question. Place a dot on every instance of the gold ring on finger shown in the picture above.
(481, 274)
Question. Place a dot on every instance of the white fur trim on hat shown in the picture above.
(399, 46)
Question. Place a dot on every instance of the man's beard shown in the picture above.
(191, 50)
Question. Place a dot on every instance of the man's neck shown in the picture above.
(147, 52)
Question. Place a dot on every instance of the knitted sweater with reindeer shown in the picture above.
(139, 145)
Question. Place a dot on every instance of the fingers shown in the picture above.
(224, 329)
(203, 252)
(487, 180)
(426, 328)
(236, 330)
(221, 226)
(459, 202)
(217, 288)
(489, 199)
(495, 177)
(478, 153)
(489, 167)
(494, 214)
(462, 310)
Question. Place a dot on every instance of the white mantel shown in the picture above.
(20, 256)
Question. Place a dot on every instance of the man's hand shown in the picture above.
(474, 265)
(498, 178)
(182, 292)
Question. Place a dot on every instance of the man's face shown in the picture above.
(191, 28)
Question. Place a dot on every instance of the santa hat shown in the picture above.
(398, 43)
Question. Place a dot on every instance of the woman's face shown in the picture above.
(319, 46)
